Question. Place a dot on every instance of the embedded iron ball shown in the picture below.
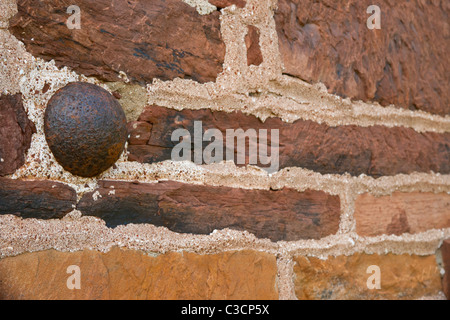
(85, 128)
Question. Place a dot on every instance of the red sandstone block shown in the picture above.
(145, 39)
(401, 213)
(36, 199)
(405, 63)
(278, 215)
(374, 151)
(15, 133)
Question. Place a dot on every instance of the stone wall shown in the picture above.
(364, 151)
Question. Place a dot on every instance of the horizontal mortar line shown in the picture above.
(335, 118)
(423, 243)
(148, 238)
(362, 114)
(226, 174)
(363, 183)
(333, 110)
(160, 240)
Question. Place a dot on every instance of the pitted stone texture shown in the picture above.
(8, 8)
(405, 63)
(85, 128)
(402, 277)
(132, 98)
(278, 215)
(15, 62)
(36, 199)
(401, 213)
(144, 39)
(126, 274)
(15, 133)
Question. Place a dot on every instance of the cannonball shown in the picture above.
(85, 128)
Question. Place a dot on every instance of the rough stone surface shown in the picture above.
(445, 250)
(402, 277)
(139, 132)
(36, 199)
(278, 215)
(125, 274)
(85, 128)
(144, 39)
(374, 151)
(405, 63)
(15, 133)
(132, 98)
(254, 54)
(8, 8)
(15, 62)
(401, 213)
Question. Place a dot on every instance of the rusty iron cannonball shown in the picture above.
(85, 128)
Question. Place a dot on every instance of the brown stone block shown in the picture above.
(36, 199)
(15, 133)
(139, 132)
(405, 63)
(374, 151)
(145, 39)
(401, 213)
(278, 215)
(254, 54)
(338, 278)
(125, 274)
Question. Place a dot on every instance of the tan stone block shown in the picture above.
(401, 213)
(127, 274)
(345, 277)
